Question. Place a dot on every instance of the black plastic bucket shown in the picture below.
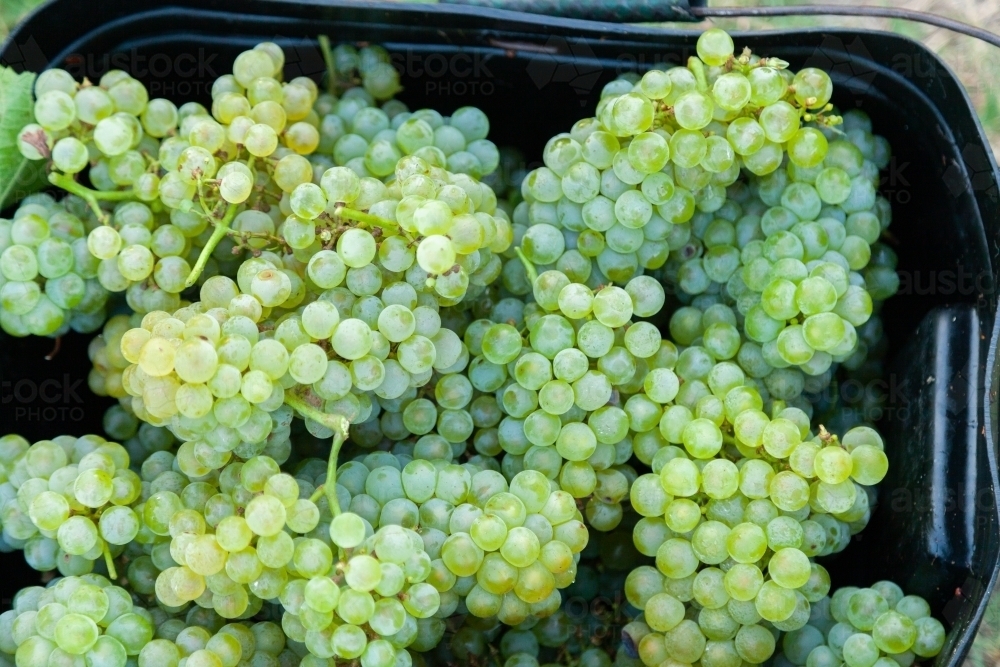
(936, 530)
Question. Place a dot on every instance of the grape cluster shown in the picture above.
(199, 166)
(748, 557)
(864, 627)
(560, 396)
(236, 545)
(66, 501)
(89, 619)
(514, 544)
(652, 183)
(380, 609)
(377, 382)
(79, 618)
(49, 279)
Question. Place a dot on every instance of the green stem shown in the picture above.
(529, 268)
(330, 485)
(324, 47)
(369, 220)
(317, 494)
(201, 198)
(92, 197)
(336, 423)
(112, 573)
(366, 218)
(698, 69)
(221, 229)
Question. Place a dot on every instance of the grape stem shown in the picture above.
(363, 217)
(324, 47)
(112, 573)
(344, 213)
(698, 69)
(92, 197)
(340, 427)
(243, 237)
(318, 493)
(201, 197)
(221, 229)
(529, 268)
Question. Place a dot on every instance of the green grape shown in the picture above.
(715, 47)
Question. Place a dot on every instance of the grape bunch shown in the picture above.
(200, 165)
(67, 501)
(863, 627)
(652, 182)
(377, 383)
(236, 545)
(107, 362)
(89, 618)
(511, 545)
(50, 281)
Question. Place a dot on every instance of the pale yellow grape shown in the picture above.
(356, 247)
(436, 254)
(194, 400)
(157, 357)
(204, 555)
(158, 396)
(132, 342)
(307, 363)
(196, 360)
(256, 387)
(265, 515)
(233, 533)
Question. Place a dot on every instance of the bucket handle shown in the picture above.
(858, 10)
(651, 11)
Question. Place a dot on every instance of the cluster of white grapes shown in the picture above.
(379, 383)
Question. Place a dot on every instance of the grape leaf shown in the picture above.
(18, 175)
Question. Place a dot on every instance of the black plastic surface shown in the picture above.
(534, 76)
(934, 530)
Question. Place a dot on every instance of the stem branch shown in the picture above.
(221, 229)
(317, 494)
(336, 423)
(698, 69)
(529, 268)
(363, 217)
(331, 72)
(92, 197)
(112, 573)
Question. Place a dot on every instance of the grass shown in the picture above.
(11, 12)
(976, 64)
